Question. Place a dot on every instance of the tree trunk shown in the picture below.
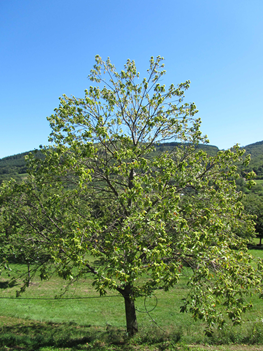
(28, 273)
(130, 312)
(131, 320)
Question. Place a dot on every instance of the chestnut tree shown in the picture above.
(105, 202)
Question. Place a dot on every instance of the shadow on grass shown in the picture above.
(33, 336)
(8, 284)
(36, 335)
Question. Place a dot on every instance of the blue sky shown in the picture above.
(48, 48)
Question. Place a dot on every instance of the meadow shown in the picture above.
(51, 316)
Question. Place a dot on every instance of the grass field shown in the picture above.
(81, 320)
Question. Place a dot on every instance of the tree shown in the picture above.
(254, 206)
(102, 191)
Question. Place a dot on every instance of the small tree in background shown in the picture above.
(103, 192)
(254, 206)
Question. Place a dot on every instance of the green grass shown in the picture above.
(82, 320)
(257, 253)
(30, 335)
(82, 305)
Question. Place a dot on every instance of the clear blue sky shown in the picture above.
(48, 47)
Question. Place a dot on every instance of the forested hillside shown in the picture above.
(256, 164)
(209, 149)
(15, 166)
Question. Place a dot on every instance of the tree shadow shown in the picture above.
(32, 336)
(8, 284)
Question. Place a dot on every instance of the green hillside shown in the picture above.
(15, 166)
(256, 164)
(209, 149)
(255, 149)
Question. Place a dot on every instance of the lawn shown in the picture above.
(81, 320)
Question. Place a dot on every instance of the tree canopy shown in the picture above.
(102, 202)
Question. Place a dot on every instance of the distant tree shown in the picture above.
(254, 206)
(102, 202)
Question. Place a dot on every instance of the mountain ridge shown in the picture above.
(15, 165)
